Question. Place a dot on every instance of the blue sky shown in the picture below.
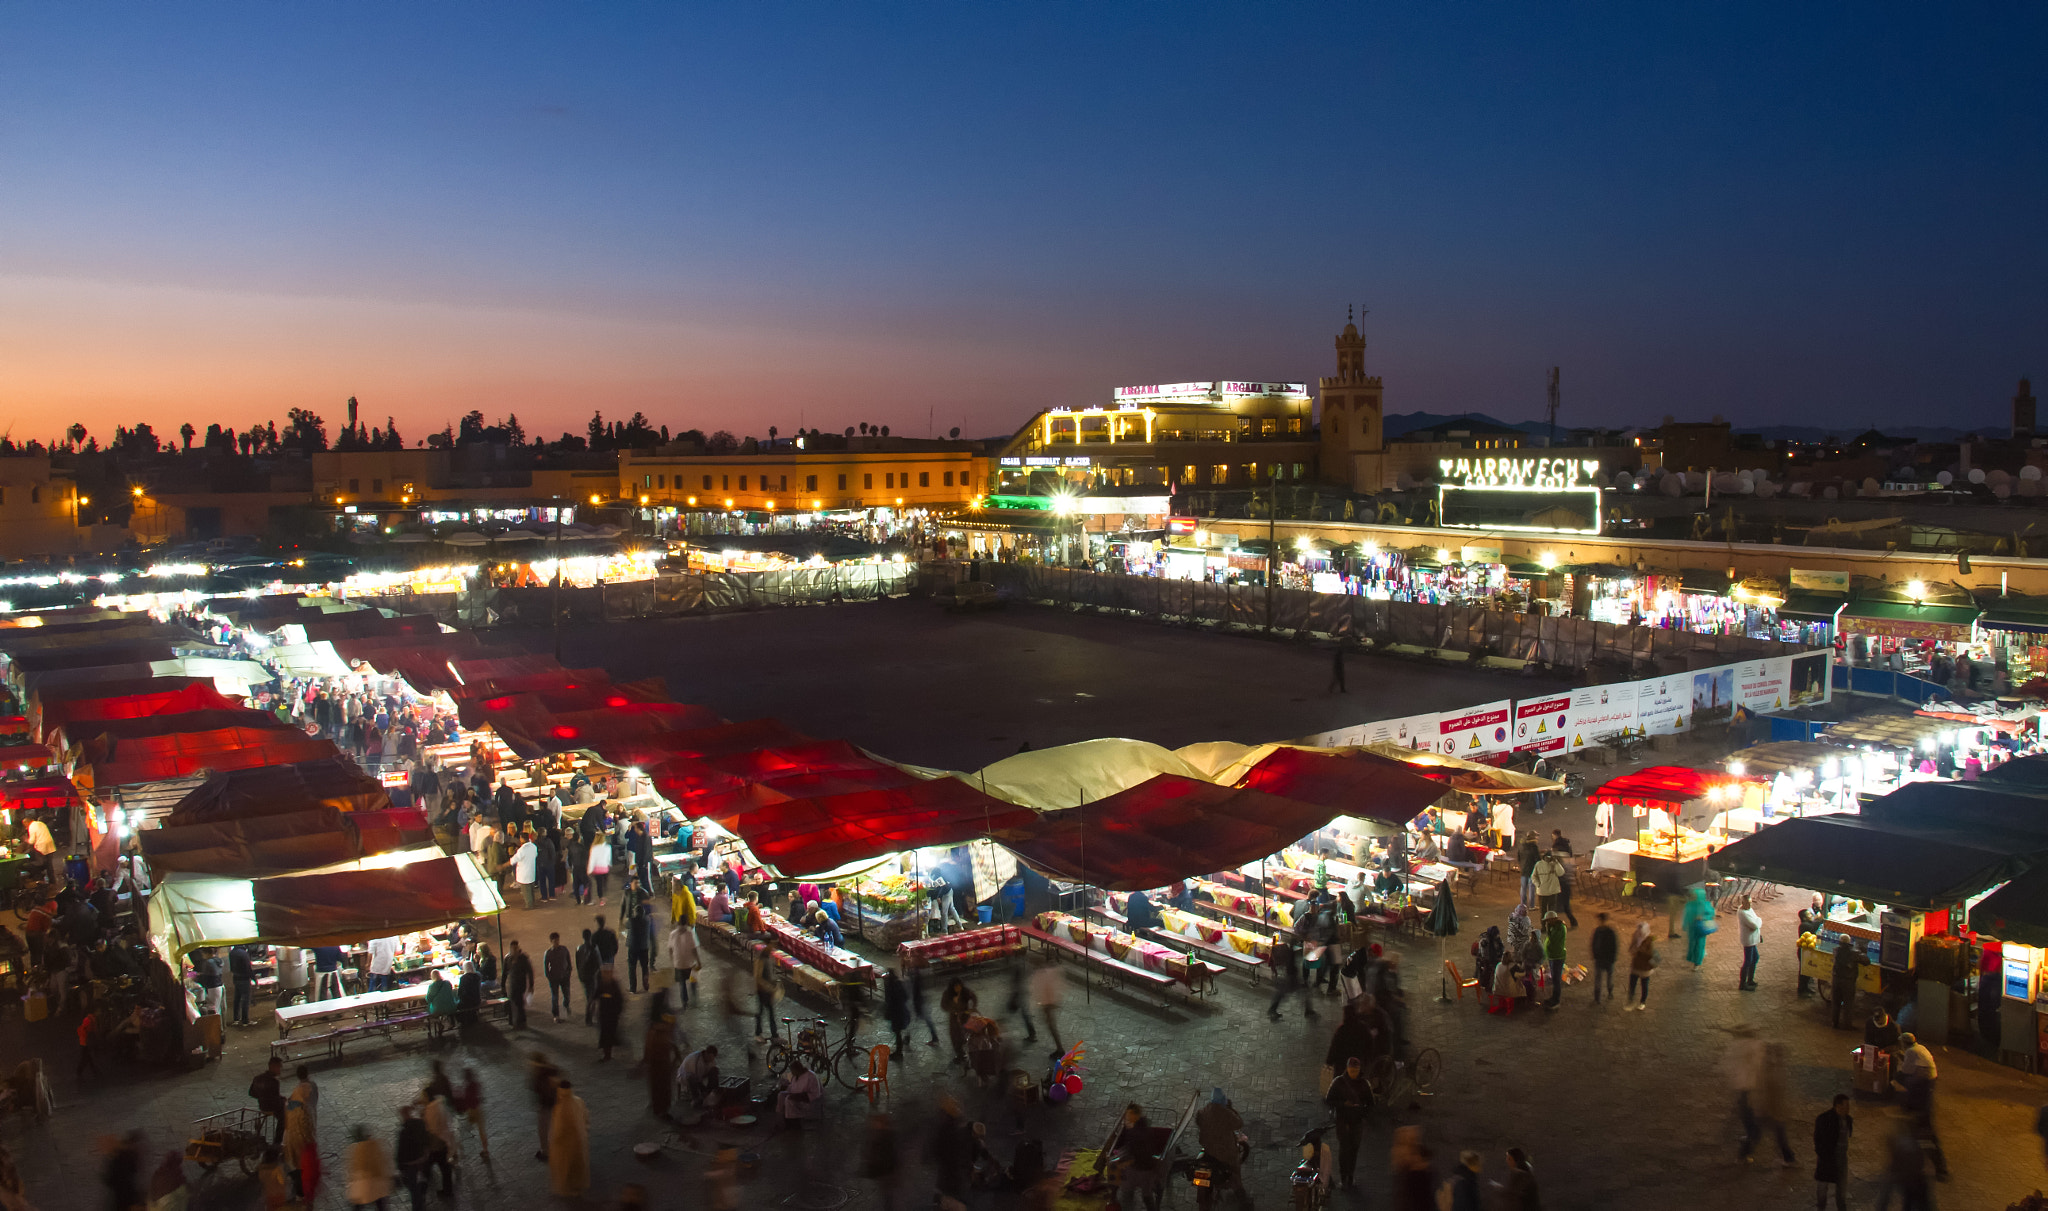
(956, 214)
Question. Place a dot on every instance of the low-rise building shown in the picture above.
(876, 473)
(1169, 437)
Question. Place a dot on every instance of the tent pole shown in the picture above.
(1087, 969)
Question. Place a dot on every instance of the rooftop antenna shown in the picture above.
(1553, 405)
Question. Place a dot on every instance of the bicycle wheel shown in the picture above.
(778, 1057)
(1428, 1066)
(1378, 1076)
(849, 1066)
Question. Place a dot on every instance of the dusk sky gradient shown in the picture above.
(956, 214)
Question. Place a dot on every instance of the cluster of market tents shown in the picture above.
(1925, 847)
(261, 833)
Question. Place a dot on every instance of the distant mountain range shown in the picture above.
(1398, 423)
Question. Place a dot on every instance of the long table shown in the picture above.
(835, 961)
(1127, 948)
(358, 1004)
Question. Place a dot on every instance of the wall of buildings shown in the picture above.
(940, 476)
(39, 510)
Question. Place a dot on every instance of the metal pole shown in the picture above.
(555, 596)
(1272, 542)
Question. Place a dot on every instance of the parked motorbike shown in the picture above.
(1206, 1172)
(1309, 1184)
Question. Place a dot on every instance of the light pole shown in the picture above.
(555, 593)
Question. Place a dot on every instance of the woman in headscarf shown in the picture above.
(1491, 951)
(1519, 929)
(569, 1143)
(1642, 960)
(1699, 922)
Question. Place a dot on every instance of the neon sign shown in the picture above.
(1538, 474)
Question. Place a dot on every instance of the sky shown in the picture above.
(930, 216)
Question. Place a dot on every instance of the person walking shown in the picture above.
(1547, 876)
(1831, 1131)
(1749, 930)
(1464, 1184)
(1905, 1172)
(768, 989)
(542, 1078)
(1642, 960)
(1350, 1098)
(1527, 854)
(879, 1162)
(1554, 955)
(268, 1090)
(437, 1111)
(558, 967)
(1287, 979)
(587, 967)
(1048, 989)
(611, 1006)
(658, 1055)
(242, 974)
(599, 864)
(1756, 1072)
(1699, 923)
(569, 1142)
(683, 958)
(469, 1103)
(918, 1009)
(606, 943)
(1336, 685)
(1606, 948)
(895, 1008)
(1917, 1072)
(1016, 970)
(1413, 1176)
(958, 1003)
(525, 867)
(518, 977)
(369, 1170)
(411, 1152)
(640, 948)
(1516, 1190)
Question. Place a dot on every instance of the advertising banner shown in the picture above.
(1664, 704)
(1480, 729)
(1601, 710)
(1414, 731)
(1543, 725)
(1764, 686)
(1810, 679)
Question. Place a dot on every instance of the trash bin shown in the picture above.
(987, 912)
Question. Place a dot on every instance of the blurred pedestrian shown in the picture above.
(542, 1079)
(569, 1143)
(878, 1160)
(1749, 931)
(611, 1005)
(1831, 1131)
(1413, 1176)
(369, 1170)
(1350, 1097)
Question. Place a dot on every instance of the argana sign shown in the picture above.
(1205, 391)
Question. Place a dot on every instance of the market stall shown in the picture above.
(1661, 854)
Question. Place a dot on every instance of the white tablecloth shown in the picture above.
(1615, 855)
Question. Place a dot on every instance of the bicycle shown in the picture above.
(1395, 1083)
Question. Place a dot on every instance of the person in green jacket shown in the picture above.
(1553, 952)
(440, 996)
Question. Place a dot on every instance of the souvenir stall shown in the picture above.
(1661, 853)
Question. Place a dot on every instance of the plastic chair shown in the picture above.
(1457, 980)
(878, 1072)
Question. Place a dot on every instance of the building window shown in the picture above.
(842, 483)
(1187, 476)
(661, 481)
(1297, 470)
(35, 495)
(1219, 473)
(3, 496)
(1365, 426)
(924, 479)
(889, 478)
(743, 483)
(355, 485)
(867, 481)
(647, 481)
(707, 483)
(949, 480)
(810, 483)
(377, 486)
(1251, 472)
(782, 483)
(724, 482)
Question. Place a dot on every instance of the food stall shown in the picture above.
(1662, 855)
(1800, 777)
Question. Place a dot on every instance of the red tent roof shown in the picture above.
(155, 758)
(157, 696)
(1663, 786)
(39, 794)
(356, 905)
(806, 836)
(1165, 828)
(100, 737)
(34, 756)
(678, 755)
(1371, 787)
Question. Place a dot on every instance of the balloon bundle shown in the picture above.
(1065, 1079)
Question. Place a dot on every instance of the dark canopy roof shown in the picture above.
(102, 738)
(356, 905)
(2021, 773)
(1358, 785)
(2017, 912)
(1847, 856)
(1165, 828)
(334, 782)
(2003, 818)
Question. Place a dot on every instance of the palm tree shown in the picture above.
(187, 432)
(76, 433)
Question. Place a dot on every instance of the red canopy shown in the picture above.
(1165, 828)
(100, 738)
(40, 794)
(728, 806)
(535, 731)
(31, 756)
(156, 758)
(678, 756)
(1660, 786)
(807, 836)
(1366, 786)
(128, 700)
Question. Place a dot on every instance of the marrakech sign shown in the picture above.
(1539, 474)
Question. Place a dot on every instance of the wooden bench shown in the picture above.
(1250, 885)
(1157, 981)
(1205, 983)
(328, 1044)
(723, 933)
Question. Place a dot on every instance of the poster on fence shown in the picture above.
(1413, 731)
(1480, 729)
(1598, 711)
(1809, 678)
(1543, 725)
(1663, 704)
(1764, 686)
